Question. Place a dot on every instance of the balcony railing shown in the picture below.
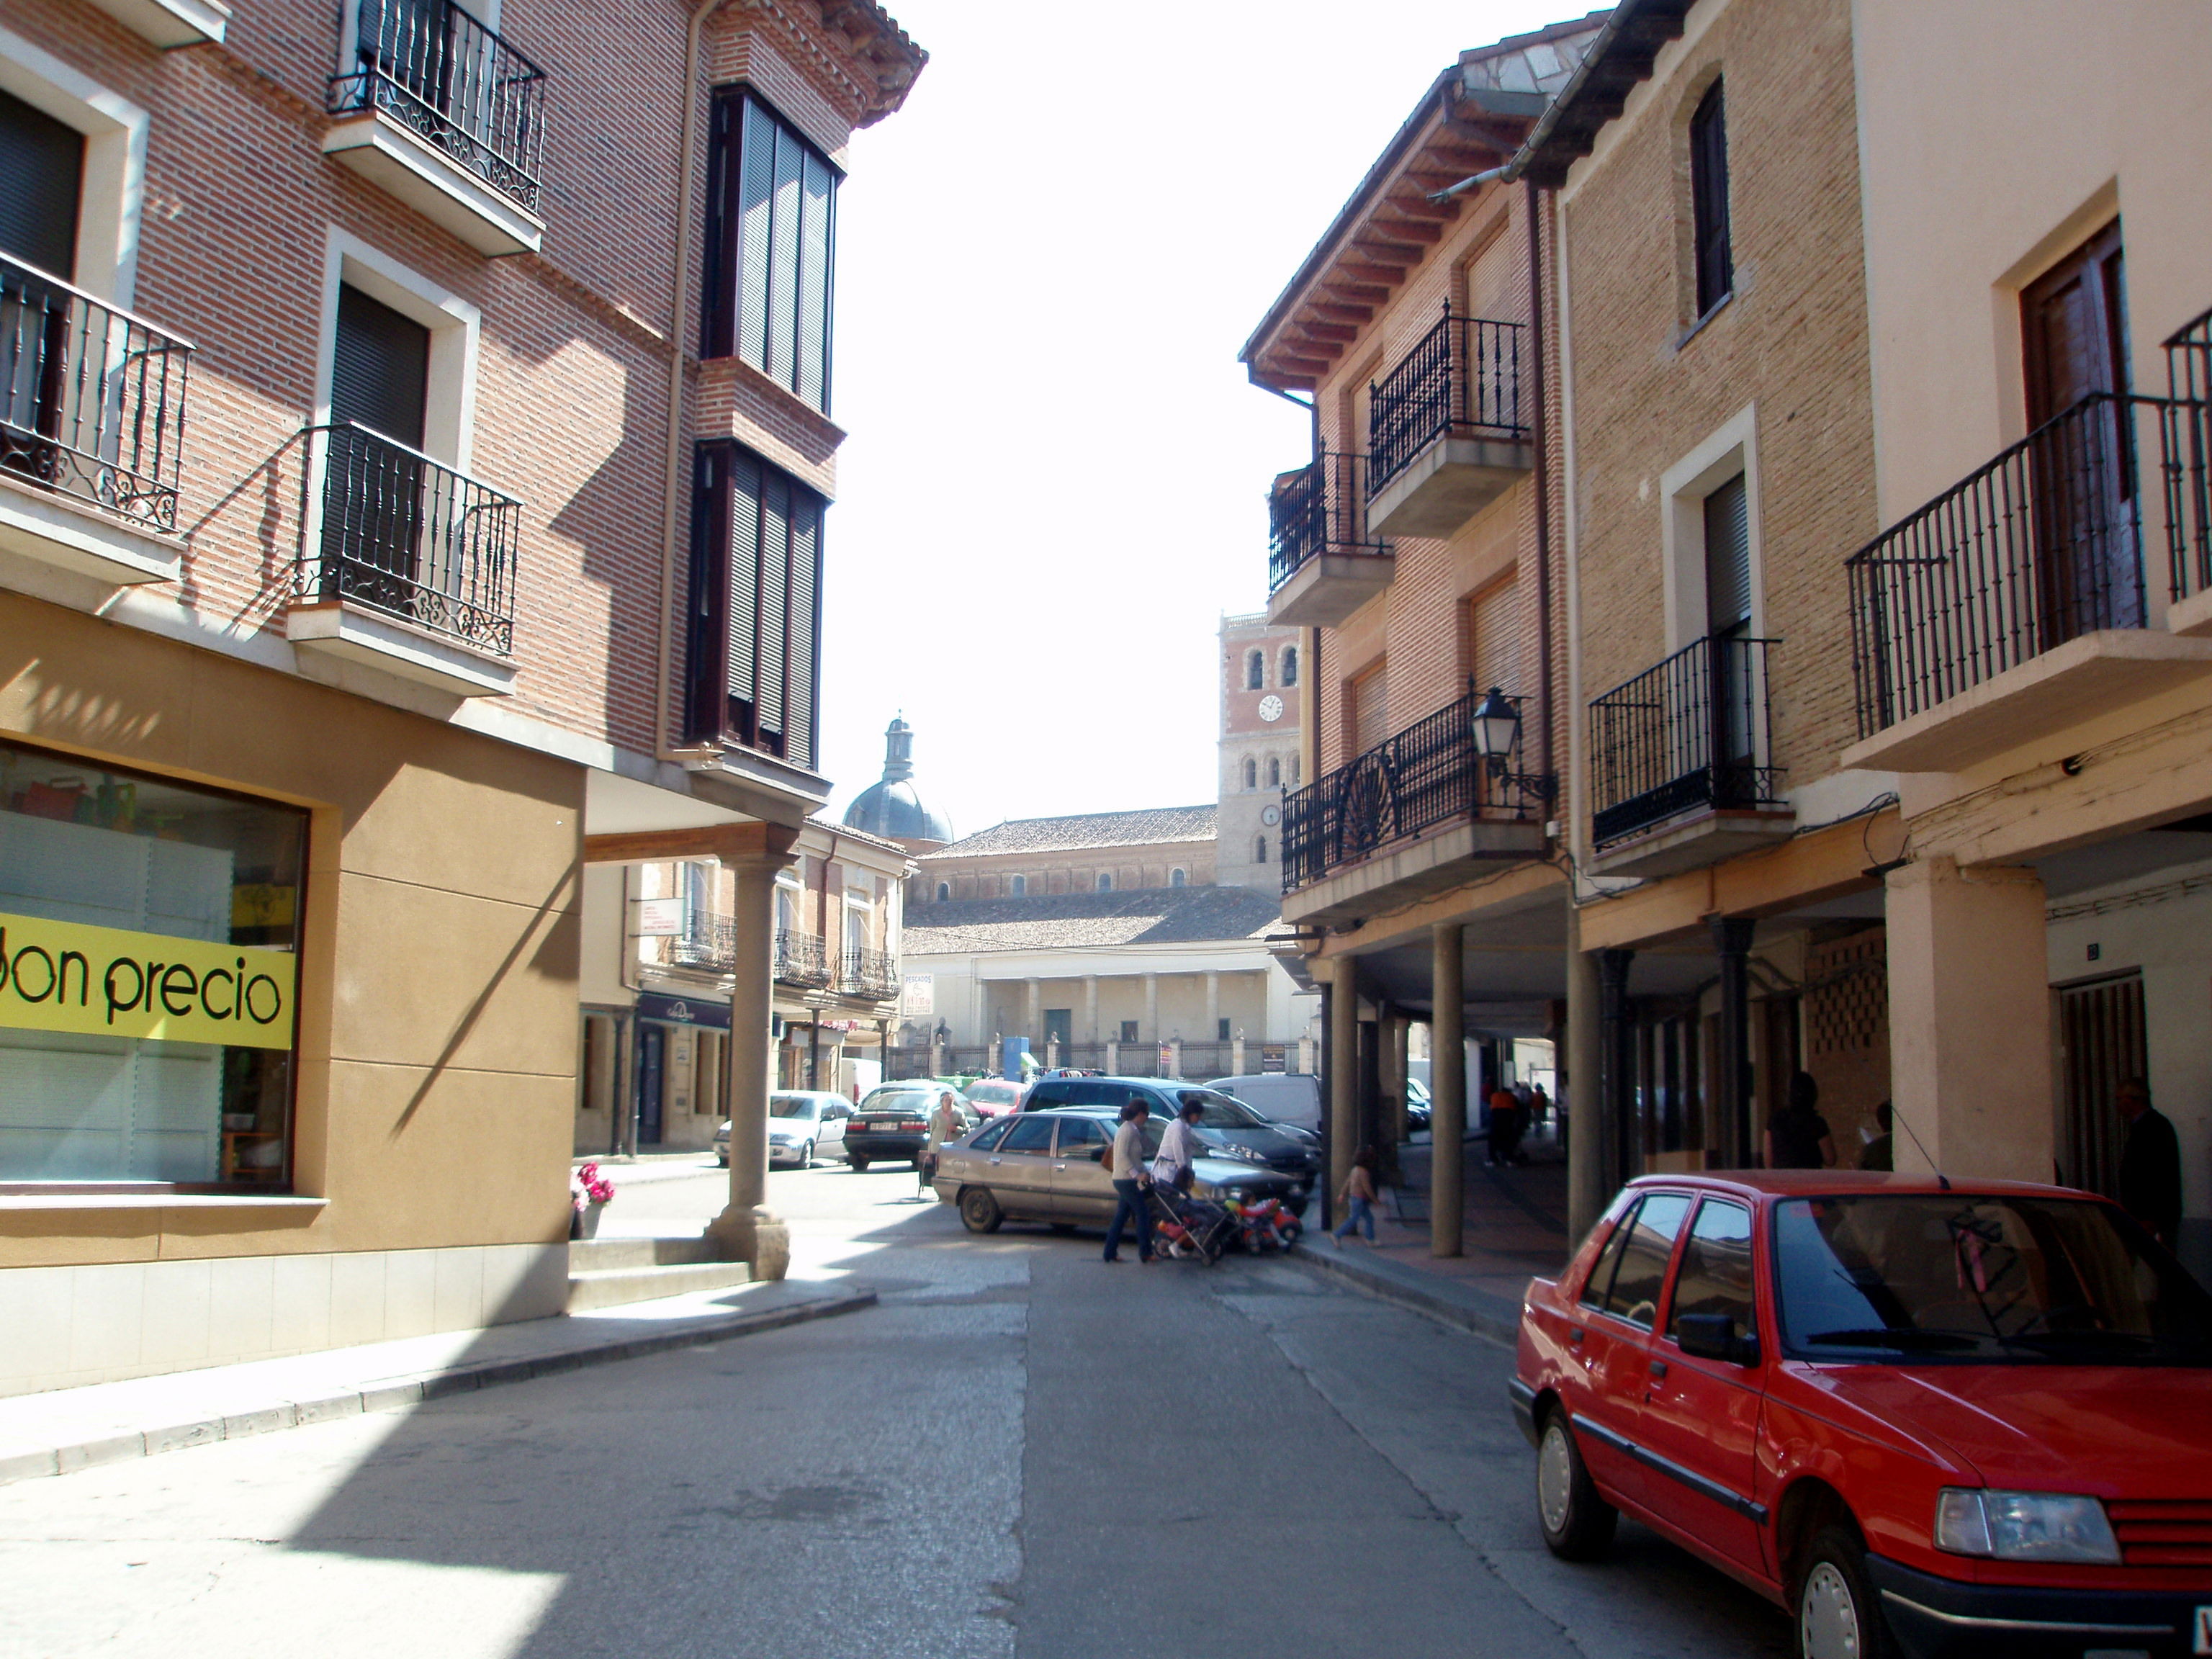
(800, 959)
(441, 74)
(707, 944)
(1687, 734)
(405, 536)
(1429, 775)
(1321, 508)
(92, 399)
(1462, 380)
(868, 974)
(2188, 456)
(2041, 545)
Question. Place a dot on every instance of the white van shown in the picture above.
(1282, 1096)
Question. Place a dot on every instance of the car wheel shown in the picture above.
(722, 1159)
(980, 1211)
(1838, 1616)
(1577, 1522)
(859, 1166)
(806, 1156)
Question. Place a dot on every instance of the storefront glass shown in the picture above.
(149, 937)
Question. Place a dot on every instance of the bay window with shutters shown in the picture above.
(756, 617)
(771, 246)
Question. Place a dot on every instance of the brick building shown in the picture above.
(408, 492)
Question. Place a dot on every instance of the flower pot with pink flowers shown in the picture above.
(589, 1192)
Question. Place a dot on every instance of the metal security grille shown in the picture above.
(1687, 734)
(1462, 380)
(437, 71)
(2100, 1026)
(92, 399)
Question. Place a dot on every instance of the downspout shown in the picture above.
(1545, 765)
(679, 333)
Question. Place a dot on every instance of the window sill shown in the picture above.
(129, 1200)
(169, 23)
(397, 161)
(1698, 327)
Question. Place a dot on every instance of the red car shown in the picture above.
(1929, 1419)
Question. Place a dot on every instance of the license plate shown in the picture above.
(2203, 1630)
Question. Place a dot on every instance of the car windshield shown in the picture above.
(1220, 1112)
(1946, 1277)
(908, 1100)
(790, 1106)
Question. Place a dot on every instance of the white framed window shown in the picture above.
(1710, 536)
(453, 326)
(111, 186)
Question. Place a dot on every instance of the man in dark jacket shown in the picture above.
(2151, 1163)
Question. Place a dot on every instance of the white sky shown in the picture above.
(1056, 478)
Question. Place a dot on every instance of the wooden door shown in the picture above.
(2073, 338)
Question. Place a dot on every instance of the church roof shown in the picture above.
(1132, 916)
(1147, 826)
(894, 810)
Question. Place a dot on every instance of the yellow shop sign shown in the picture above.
(107, 981)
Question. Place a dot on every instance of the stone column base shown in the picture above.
(757, 1237)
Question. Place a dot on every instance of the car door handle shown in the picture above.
(1658, 1368)
(1059, 1166)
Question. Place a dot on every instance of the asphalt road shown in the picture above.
(1020, 1454)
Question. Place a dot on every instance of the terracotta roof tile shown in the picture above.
(1148, 826)
(1136, 916)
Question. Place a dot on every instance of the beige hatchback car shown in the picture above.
(1046, 1166)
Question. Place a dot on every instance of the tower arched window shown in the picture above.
(1289, 673)
(1256, 670)
(1175, 879)
(1021, 886)
(1105, 881)
(1251, 773)
(1274, 772)
(1259, 850)
(944, 892)
(1294, 771)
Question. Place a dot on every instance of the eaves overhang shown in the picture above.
(1620, 59)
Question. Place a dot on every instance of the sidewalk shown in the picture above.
(647, 1167)
(70, 1429)
(1514, 1226)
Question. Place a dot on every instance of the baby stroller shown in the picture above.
(1186, 1226)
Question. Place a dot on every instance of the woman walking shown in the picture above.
(1359, 1197)
(1126, 1163)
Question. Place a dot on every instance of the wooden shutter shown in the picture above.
(1370, 708)
(743, 560)
(755, 220)
(1493, 644)
(1728, 557)
(756, 606)
(804, 632)
(41, 176)
(1708, 201)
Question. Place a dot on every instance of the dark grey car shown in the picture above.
(1046, 1166)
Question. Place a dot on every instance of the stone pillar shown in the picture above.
(1447, 1089)
(1090, 1009)
(1052, 1050)
(1583, 1124)
(1175, 1058)
(1151, 1030)
(1033, 1011)
(991, 1065)
(1306, 1062)
(936, 1057)
(1212, 1006)
(1343, 1072)
(1969, 1021)
(1236, 1053)
(1736, 1147)
(1113, 1059)
(1615, 1118)
(746, 1229)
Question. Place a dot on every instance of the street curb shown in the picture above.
(397, 1393)
(1481, 1312)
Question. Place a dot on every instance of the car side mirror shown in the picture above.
(1712, 1336)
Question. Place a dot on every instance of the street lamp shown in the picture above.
(1496, 726)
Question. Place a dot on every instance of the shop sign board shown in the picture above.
(918, 997)
(683, 1011)
(660, 918)
(110, 982)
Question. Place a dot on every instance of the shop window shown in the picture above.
(150, 938)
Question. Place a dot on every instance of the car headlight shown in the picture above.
(783, 1137)
(2024, 1525)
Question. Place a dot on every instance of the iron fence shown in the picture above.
(403, 534)
(440, 72)
(2041, 545)
(1689, 732)
(967, 1060)
(1428, 775)
(1201, 1060)
(800, 959)
(1319, 508)
(1461, 380)
(901, 1063)
(92, 399)
(868, 974)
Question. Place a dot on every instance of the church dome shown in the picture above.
(892, 807)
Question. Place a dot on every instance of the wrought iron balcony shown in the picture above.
(801, 960)
(441, 73)
(707, 944)
(2187, 457)
(402, 535)
(1319, 509)
(92, 398)
(1688, 734)
(869, 974)
(1427, 776)
(1462, 380)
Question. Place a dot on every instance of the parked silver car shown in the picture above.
(803, 1125)
(1045, 1166)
